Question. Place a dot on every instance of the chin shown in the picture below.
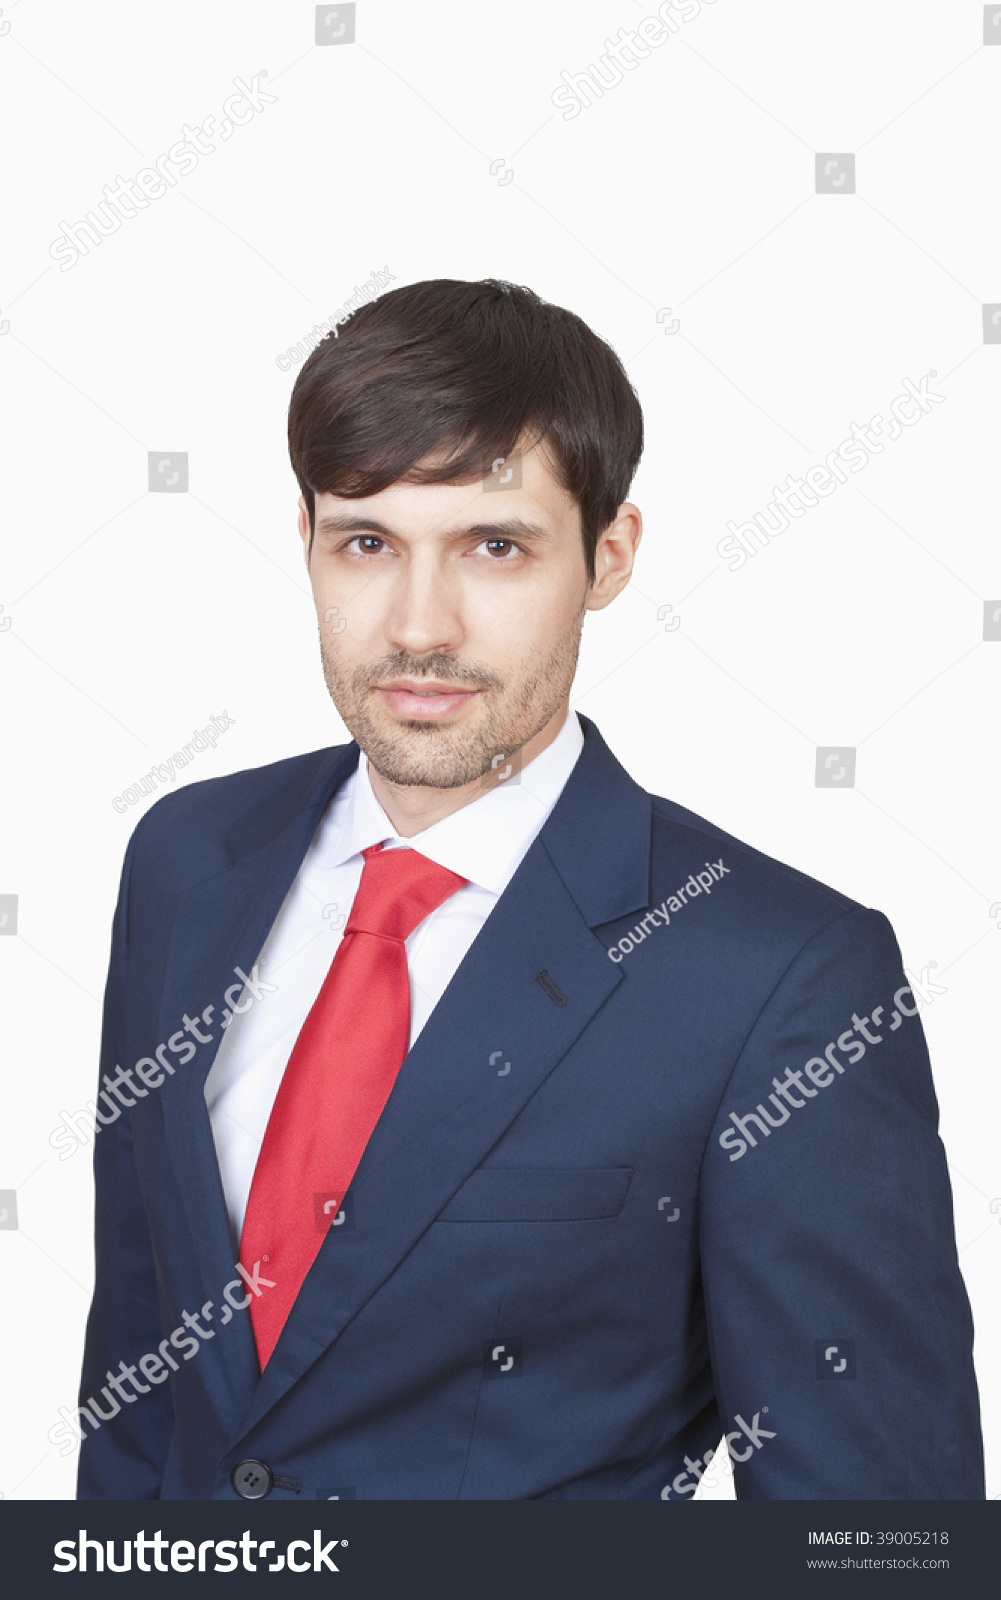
(424, 758)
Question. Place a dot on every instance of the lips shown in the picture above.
(423, 701)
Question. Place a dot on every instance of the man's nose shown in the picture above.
(424, 611)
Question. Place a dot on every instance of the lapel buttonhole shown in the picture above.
(556, 995)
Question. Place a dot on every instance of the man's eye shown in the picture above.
(369, 543)
(498, 547)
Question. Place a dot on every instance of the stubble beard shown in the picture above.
(513, 709)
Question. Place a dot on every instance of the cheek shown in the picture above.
(351, 616)
(509, 620)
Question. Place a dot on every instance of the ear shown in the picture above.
(614, 557)
(302, 523)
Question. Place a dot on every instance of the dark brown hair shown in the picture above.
(432, 382)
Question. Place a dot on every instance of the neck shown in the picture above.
(412, 808)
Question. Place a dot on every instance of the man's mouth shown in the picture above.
(423, 700)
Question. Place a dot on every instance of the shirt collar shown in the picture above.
(485, 840)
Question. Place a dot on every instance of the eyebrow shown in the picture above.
(509, 528)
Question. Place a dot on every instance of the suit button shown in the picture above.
(252, 1479)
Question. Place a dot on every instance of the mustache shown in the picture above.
(438, 664)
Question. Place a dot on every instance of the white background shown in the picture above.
(133, 617)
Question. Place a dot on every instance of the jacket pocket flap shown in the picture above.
(537, 1194)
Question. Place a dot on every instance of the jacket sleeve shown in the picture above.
(122, 1458)
(839, 1327)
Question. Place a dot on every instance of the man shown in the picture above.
(498, 1130)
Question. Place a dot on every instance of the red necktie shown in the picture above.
(339, 1076)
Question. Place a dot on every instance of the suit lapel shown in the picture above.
(531, 981)
(221, 924)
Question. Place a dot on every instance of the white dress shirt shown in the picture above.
(483, 841)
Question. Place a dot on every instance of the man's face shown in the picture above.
(450, 619)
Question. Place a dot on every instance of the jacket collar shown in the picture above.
(598, 834)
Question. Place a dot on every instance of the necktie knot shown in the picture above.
(398, 889)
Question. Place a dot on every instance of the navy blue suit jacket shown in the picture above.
(560, 1277)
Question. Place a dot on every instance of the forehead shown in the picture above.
(524, 488)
